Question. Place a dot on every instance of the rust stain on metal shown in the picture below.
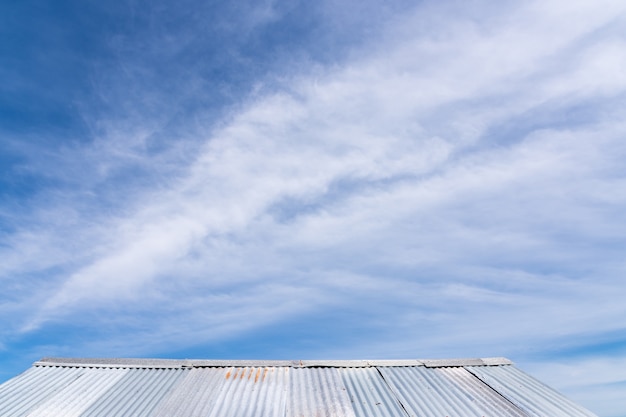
(256, 377)
(243, 373)
(228, 374)
(264, 373)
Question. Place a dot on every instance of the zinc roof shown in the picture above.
(71, 387)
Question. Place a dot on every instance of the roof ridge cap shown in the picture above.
(208, 363)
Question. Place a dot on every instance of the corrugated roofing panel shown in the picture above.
(76, 397)
(318, 392)
(369, 393)
(195, 395)
(252, 392)
(450, 391)
(136, 394)
(191, 388)
(25, 392)
(479, 394)
(530, 395)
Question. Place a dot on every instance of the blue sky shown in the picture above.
(331, 179)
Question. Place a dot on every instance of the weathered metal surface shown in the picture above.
(75, 398)
(224, 392)
(136, 394)
(445, 392)
(195, 395)
(24, 393)
(527, 393)
(333, 363)
(202, 363)
(61, 387)
(252, 392)
(370, 394)
(318, 392)
(439, 363)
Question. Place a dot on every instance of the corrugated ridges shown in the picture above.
(369, 393)
(34, 387)
(186, 388)
(195, 395)
(136, 394)
(231, 391)
(528, 394)
(80, 394)
(445, 392)
(318, 392)
(252, 392)
(479, 394)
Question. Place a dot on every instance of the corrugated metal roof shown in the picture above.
(71, 387)
(318, 392)
(527, 393)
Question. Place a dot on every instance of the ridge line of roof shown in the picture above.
(216, 363)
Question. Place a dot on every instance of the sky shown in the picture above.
(337, 179)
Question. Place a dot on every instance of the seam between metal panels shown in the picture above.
(391, 390)
(496, 391)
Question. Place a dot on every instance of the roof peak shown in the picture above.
(203, 363)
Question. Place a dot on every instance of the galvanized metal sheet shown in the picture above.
(318, 392)
(335, 364)
(25, 392)
(136, 394)
(252, 392)
(446, 391)
(395, 362)
(495, 361)
(79, 395)
(202, 363)
(114, 362)
(439, 363)
(195, 395)
(530, 395)
(190, 388)
(369, 394)
(474, 391)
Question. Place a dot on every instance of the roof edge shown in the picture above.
(202, 363)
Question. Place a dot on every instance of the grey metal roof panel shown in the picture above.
(198, 388)
(450, 391)
(333, 363)
(195, 395)
(395, 362)
(136, 394)
(441, 363)
(252, 392)
(114, 362)
(75, 398)
(22, 394)
(318, 392)
(527, 393)
(158, 363)
(370, 394)
(200, 363)
(228, 392)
